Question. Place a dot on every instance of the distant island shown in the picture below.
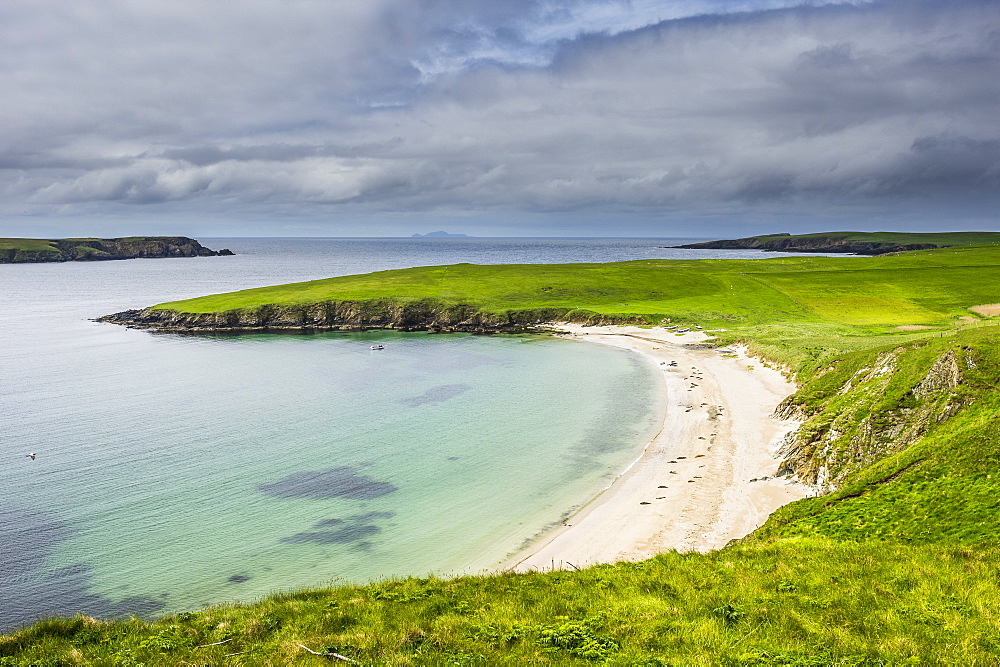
(26, 251)
(856, 243)
(440, 235)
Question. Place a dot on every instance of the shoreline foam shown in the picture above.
(691, 488)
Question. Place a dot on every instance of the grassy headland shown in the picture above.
(25, 251)
(862, 243)
(898, 562)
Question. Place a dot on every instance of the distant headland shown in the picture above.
(25, 251)
(440, 235)
(856, 243)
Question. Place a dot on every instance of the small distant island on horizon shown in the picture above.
(440, 235)
(29, 251)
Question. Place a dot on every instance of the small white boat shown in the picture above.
(378, 347)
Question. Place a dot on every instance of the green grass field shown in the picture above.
(924, 288)
(897, 563)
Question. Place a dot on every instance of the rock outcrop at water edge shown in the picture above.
(88, 250)
(422, 315)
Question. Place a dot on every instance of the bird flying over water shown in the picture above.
(31, 455)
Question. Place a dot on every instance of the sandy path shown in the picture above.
(692, 488)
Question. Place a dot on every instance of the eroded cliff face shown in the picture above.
(422, 315)
(67, 250)
(873, 414)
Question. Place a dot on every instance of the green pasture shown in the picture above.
(924, 288)
(34, 245)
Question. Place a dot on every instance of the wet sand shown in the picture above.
(705, 479)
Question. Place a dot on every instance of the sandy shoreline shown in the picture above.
(692, 489)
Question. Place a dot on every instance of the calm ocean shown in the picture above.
(177, 471)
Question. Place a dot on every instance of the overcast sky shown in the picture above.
(498, 117)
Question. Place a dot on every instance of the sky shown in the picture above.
(662, 118)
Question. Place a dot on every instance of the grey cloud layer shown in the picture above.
(526, 105)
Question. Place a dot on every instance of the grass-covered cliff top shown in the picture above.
(862, 243)
(25, 251)
(792, 308)
(941, 239)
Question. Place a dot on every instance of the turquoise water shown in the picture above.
(177, 471)
(232, 467)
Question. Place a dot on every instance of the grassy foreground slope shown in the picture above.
(794, 602)
(897, 562)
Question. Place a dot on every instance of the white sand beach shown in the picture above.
(705, 479)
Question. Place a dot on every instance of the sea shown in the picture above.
(169, 471)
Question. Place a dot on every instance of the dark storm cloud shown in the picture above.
(439, 105)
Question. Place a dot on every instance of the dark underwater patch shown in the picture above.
(326, 523)
(356, 528)
(341, 482)
(27, 538)
(238, 578)
(437, 394)
(345, 535)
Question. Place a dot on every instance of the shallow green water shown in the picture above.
(446, 453)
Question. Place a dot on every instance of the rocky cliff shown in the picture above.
(418, 315)
(859, 413)
(65, 250)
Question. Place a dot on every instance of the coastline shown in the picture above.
(706, 478)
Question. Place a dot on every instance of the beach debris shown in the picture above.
(671, 461)
(661, 486)
(224, 641)
(698, 456)
(31, 455)
(673, 472)
(645, 503)
(660, 497)
(681, 457)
